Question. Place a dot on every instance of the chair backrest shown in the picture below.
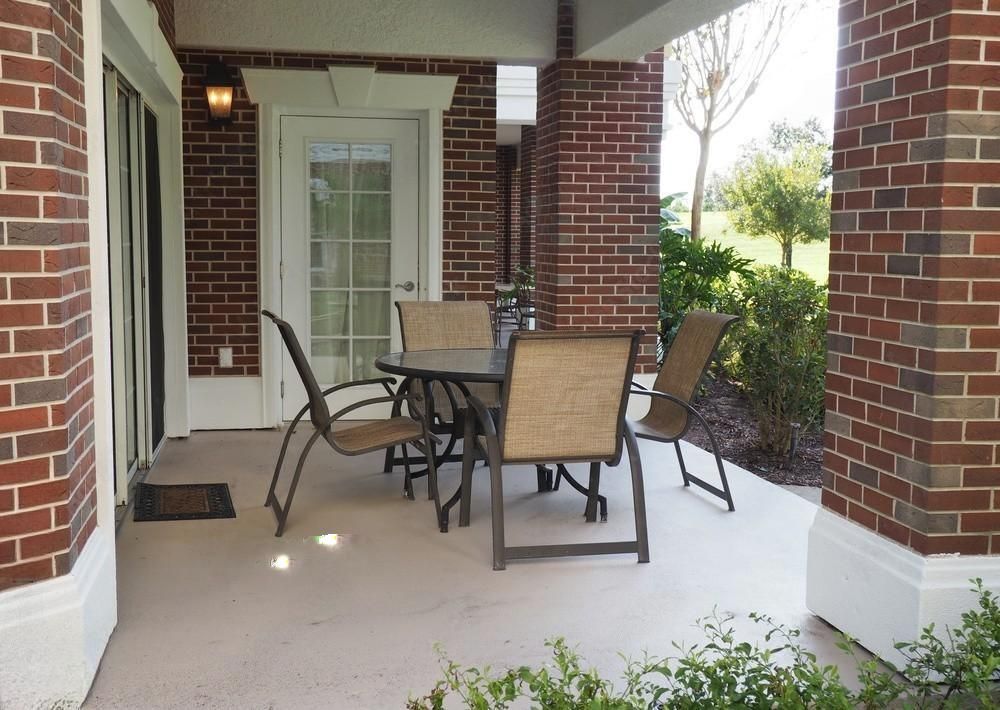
(685, 364)
(565, 395)
(443, 325)
(319, 413)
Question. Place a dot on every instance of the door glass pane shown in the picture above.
(371, 265)
(329, 168)
(329, 218)
(371, 313)
(329, 360)
(371, 167)
(329, 313)
(350, 257)
(365, 352)
(330, 264)
(371, 214)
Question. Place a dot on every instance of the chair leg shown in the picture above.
(727, 494)
(680, 459)
(407, 479)
(590, 512)
(282, 511)
(468, 463)
(281, 455)
(638, 495)
(390, 452)
(496, 503)
(432, 492)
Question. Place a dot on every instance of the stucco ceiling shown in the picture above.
(511, 31)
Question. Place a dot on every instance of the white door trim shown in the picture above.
(285, 94)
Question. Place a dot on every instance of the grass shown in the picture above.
(814, 259)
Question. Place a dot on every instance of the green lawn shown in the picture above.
(814, 259)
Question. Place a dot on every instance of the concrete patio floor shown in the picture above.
(205, 621)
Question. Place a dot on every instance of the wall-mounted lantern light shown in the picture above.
(219, 85)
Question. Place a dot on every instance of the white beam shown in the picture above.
(518, 31)
(627, 29)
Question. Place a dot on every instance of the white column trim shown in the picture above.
(881, 592)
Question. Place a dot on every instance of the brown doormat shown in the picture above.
(193, 501)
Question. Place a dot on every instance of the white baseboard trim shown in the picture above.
(227, 403)
(880, 592)
(53, 633)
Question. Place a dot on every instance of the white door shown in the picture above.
(349, 247)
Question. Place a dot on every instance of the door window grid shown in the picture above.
(350, 245)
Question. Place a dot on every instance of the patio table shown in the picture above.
(455, 367)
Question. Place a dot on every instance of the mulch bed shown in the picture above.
(727, 412)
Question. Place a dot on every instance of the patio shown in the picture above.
(205, 621)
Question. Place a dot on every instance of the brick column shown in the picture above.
(598, 161)
(47, 470)
(526, 252)
(912, 432)
(506, 164)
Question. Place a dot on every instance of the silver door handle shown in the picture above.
(408, 286)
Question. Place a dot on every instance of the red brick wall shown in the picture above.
(515, 214)
(526, 218)
(506, 166)
(599, 128)
(47, 471)
(220, 198)
(165, 10)
(913, 440)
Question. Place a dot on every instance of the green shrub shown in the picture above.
(724, 672)
(692, 275)
(778, 351)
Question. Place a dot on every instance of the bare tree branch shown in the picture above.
(722, 63)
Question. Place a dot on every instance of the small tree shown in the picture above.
(721, 65)
(781, 191)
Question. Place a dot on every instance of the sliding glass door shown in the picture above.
(134, 230)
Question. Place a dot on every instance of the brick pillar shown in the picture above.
(912, 432)
(506, 163)
(47, 471)
(526, 252)
(598, 160)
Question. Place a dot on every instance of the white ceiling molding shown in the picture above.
(350, 88)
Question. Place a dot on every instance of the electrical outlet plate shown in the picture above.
(225, 357)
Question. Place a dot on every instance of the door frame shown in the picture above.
(408, 241)
(293, 95)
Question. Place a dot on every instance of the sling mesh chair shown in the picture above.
(670, 412)
(444, 325)
(359, 439)
(564, 401)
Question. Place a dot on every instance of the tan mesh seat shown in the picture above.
(350, 441)
(670, 411)
(564, 401)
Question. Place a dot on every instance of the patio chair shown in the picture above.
(564, 401)
(670, 412)
(525, 304)
(443, 325)
(359, 439)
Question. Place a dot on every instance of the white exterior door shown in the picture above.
(349, 247)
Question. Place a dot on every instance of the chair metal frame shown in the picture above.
(323, 423)
(494, 457)
(724, 492)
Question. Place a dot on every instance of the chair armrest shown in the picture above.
(482, 414)
(384, 381)
(642, 387)
(663, 395)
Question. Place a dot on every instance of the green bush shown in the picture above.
(724, 672)
(778, 351)
(692, 275)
